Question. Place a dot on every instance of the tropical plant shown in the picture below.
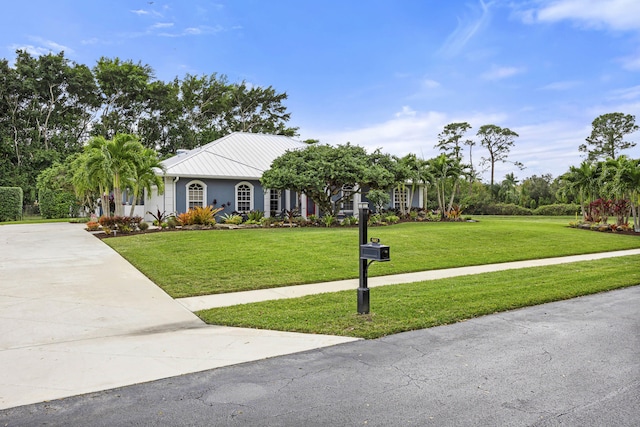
(328, 220)
(92, 171)
(231, 219)
(93, 226)
(628, 182)
(159, 217)
(200, 215)
(391, 218)
(255, 216)
(582, 181)
(446, 172)
(143, 174)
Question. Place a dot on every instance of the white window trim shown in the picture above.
(407, 195)
(251, 195)
(352, 190)
(279, 208)
(186, 196)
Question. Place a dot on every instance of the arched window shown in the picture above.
(196, 194)
(244, 197)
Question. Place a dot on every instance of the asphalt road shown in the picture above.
(570, 363)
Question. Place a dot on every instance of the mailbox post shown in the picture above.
(369, 252)
(363, 289)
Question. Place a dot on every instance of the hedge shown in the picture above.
(507, 209)
(56, 204)
(10, 203)
(557, 210)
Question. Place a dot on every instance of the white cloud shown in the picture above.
(631, 63)
(408, 131)
(30, 49)
(467, 28)
(90, 41)
(564, 85)
(42, 47)
(498, 73)
(627, 94)
(140, 12)
(162, 25)
(405, 112)
(599, 14)
(194, 31)
(430, 84)
(547, 147)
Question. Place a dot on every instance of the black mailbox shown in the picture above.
(375, 251)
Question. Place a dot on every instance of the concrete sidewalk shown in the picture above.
(225, 300)
(75, 317)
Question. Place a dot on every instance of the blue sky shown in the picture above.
(380, 74)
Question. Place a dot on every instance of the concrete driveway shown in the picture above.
(75, 317)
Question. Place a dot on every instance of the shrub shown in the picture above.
(328, 220)
(185, 218)
(507, 209)
(269, 222)
(391, 219)
(143, 226)
(231, 219)
(557, 210)
(376, 219)
(255, 216)
(199, 216)
(350, 220)
(120, 222)
(10, 203)
(57, 204)
(93, 226)
(204, 215)
(172, 222)
(80, 220)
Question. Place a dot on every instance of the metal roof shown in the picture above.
(238, 155)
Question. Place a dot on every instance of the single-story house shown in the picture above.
(228, 171)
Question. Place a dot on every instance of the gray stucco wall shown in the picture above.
(220, 191)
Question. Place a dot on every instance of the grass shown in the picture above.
(36, 219)
(207, 262)
(406, 307)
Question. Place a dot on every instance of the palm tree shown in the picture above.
(408, 169)
(445, 168)
(583, 181)
(144, 175)
(94, 171)
(627, 181)
(426, 178)
(122, 150)
(508, 189)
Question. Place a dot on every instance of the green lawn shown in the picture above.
(35, 220)
(192, 263)
(421, 305)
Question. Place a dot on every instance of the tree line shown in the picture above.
(330, 175)
(50, 107)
